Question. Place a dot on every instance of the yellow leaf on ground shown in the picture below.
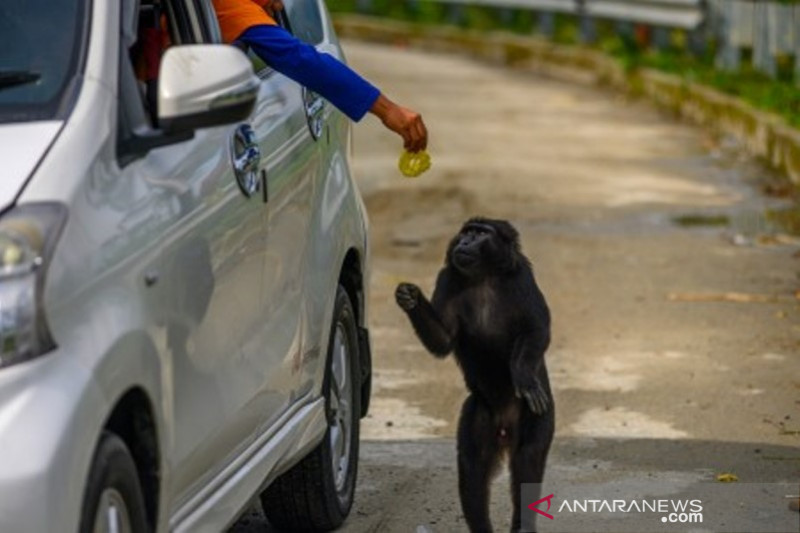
(727, 478)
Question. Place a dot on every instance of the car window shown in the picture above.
(206, 12)
(153, 27)
(40, 56)
(306, 20)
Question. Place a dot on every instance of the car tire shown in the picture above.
(317, 493)
(113, 499)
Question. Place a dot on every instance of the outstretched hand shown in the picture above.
(405, 122)
(407, 296)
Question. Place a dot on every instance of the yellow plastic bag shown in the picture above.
(413, 164)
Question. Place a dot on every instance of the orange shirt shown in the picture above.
(236, 16)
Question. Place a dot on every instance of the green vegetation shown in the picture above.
(788, 219)
(702, 220)
(780, 96)
(631, 46)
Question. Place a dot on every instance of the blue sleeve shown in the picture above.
(320, 72)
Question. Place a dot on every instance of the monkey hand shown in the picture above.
(534, 395)
(407, 296)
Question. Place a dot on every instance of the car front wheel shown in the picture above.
(113, 500)
(317, 493)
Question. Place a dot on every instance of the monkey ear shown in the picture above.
(506, 231)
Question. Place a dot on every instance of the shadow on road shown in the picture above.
(406, 484)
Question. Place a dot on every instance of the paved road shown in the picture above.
(650, 379)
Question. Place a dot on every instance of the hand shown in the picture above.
(534, 395)
(405, 122)
(407, 296)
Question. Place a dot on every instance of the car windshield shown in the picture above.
(40, 52)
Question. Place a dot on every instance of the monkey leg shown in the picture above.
(478, 454)
(527, 461)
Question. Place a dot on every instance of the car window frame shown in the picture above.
(136, 135)
(261, 69)
(321, 21)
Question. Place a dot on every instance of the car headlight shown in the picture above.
(28, 234)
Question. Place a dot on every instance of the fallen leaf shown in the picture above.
(727, 478)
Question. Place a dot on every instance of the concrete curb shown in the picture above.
(764, 135)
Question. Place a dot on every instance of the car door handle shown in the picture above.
(315, 112)
(246, 158)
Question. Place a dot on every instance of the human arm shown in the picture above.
(405, 122)
(322, 73)
(335, 81)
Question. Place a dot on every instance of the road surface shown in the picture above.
(676, 341)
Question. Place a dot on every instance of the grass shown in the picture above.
(780, 96)
(788, 219)
(702, 220)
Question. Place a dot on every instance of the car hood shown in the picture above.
(22, 145)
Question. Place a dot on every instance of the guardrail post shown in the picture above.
(783, 32)
(364, 6)
(661, 37)
(698, 40)
(588, 30)
(547, 23)
(506, 16)
(796, 26)
(762, 56)
(734, 21)
(625, 31)
(455, 14)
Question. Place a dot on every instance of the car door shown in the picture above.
(324, 123)
(223, 380)
(292, 173)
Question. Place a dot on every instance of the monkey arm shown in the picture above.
(427, 322)
(430, 329)
(528, 373)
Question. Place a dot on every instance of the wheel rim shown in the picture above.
(112, 513)
(341, 410)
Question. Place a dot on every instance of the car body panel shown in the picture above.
(21, 148)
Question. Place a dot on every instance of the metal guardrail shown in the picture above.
(549, 6)
(683, 14)
(769, 29)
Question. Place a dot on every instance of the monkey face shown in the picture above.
(482, 246)
(471, 246)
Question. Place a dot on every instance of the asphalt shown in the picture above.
(676, 336)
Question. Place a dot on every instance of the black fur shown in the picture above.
(488, 310)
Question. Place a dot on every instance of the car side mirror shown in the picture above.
(204, 85)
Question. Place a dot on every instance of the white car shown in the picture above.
(183, 266)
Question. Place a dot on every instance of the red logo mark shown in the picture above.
(532, 506)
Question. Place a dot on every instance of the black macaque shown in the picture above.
(487, 308)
